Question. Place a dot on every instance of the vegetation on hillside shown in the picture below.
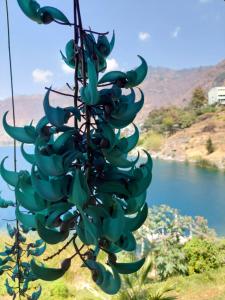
(168, 120)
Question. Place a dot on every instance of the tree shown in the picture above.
(202, 255)
(198, 99)
(209, 146)
(168, 124)
(163, 235)
(82, 186)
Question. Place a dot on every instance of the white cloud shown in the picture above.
(42, 75)
(143, 36)
(66, 69)
(112, 64)
(176, 32)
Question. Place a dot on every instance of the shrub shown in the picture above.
(202, 255)
(209, 146)
(60, 290)
(151, 141)
(204, 163)
(170, 260)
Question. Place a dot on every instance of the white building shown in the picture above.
(216, 95)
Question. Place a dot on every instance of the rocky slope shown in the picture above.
(190, 144)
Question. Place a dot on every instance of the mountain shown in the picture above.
(163, 87)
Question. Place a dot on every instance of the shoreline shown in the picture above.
(204, 164)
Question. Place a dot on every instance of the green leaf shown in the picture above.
(89, 94)
(27, 220)
(56, 211)
(61, 142)
(112, 77)
(28, 157)
(9, 289)
(51, 165)
(109, 282)
(128, 268)
(87, 231)
(113, 187)
(5, 203)
(5, 261)
(141, 71)
(28, 199)
(50, 236)
(80, 191)
(37, 251)
(127, 242)
(44, 15)
(30, 8)
(135, 203)
(56, 116)
(9, 177)
(48, 12)
(11, 230)
(25, 134)
(119, 159)
(103, 45)
(38, 243)
(126, 144)
(133, 224)
(126, 110)
(36, 295)
(48, 274)
(142, 178)
(51, 191)
(113, 226)
(96, 266)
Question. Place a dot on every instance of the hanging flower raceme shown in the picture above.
(14, 259)
(83, 185)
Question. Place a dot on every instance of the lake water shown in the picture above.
(194, 191)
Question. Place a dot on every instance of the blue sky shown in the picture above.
(169, 33)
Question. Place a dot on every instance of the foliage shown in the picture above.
(83, 186)
(164, 222)
(202, 255)
(198, 99)
(151, 140)
(60, 291)
(170, 259)
(163, 235)
(169, 119)
(209, 146)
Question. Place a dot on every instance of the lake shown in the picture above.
(194, 191)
